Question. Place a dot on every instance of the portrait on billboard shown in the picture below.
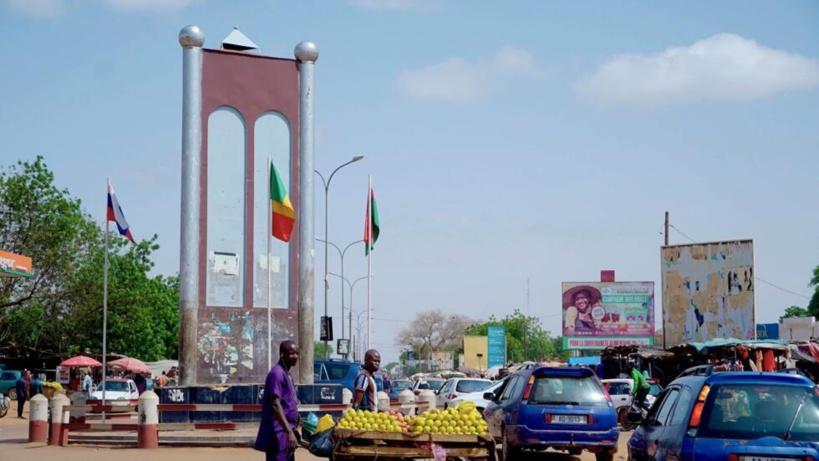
(608, 313)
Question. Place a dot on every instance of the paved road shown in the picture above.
(14, 447)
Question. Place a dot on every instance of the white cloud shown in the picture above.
(459, 80)
(722, 67)
(146, 5)
(397, 5)
(39, 9)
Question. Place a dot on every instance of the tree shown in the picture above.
(794, 311)
(813, 305)
(390, 366)
(318, 350)
(433, 331)
(520, 329)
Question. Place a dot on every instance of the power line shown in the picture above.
(755, 277)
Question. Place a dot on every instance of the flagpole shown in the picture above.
(105, 301)
(269, 276)
(369, 261)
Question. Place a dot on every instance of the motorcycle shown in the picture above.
(5, 403)
(629, 416)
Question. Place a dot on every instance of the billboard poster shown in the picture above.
(708, 291)
(496, 346)
(597, 315)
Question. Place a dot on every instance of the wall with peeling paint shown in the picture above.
(708, 291)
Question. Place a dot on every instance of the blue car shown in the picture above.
(340, 372)
(553, 407)
(735, 416)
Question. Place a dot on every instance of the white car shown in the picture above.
(477, 397)
(117, 389)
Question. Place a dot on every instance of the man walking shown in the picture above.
(366, 393)
(20, 386)
(277, 436)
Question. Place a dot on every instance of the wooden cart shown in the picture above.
(357, 445)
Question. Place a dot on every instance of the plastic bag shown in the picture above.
(321, 444)
(310, 423)
(326, 422)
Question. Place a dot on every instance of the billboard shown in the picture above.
(708, 291)
(597, 315)
(496, 345)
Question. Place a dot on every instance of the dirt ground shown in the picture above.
(14, 447)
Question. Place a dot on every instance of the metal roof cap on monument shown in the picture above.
(237, 41)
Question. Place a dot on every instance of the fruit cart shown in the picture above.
(361, 445)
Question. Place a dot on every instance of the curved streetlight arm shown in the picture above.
(333, 244)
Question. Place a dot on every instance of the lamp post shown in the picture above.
(350, 307)
(341, 254)
(326, 183)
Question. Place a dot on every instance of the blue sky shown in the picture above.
(542, 140)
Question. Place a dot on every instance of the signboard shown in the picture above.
(326, 333)
(708, 291)
(13, 265)
(767, 331)
(496, 345)
(343, 347)
(597, 315)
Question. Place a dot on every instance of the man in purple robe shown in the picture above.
(277, 431)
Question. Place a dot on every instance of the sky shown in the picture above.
(539, 141)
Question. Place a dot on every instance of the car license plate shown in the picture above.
(764, 458)
(572, 419)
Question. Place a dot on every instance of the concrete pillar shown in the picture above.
(59, 419)
(427, 395)
(38, 419)
(148, 431)
(346, 396)
(77, 399)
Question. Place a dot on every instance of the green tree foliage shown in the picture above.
(795, 311)
(519, 329)
(318, 350)
(813, 305)
(60, 308)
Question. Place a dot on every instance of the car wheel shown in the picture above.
(622, 418)
(508, 452)
(13, 393)
(575, 451)
(604, 456)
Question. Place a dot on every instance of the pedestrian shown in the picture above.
(162, 381)
(36, 386)
(20, 387)
(366, 393)
(87, 383)
(280, 414)
(141, 383)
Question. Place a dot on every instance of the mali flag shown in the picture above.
(283, 214)
(371, 226)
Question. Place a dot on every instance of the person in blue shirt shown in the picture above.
(36, 386)
(20, 385)
(366, 393)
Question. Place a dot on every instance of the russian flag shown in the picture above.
(115, 214)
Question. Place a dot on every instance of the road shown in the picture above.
(14, 447)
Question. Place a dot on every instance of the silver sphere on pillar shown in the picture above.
(306, 51)
(191, 35)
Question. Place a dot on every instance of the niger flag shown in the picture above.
(283, 214)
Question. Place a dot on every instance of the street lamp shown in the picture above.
(352, 286)
(341, 255)
(326, 230)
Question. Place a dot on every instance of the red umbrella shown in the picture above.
(80, 361)
(130, 364)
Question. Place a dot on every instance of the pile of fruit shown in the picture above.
(463, 419)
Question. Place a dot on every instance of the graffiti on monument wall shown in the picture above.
(708, 291)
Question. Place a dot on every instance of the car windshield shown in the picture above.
(8, 376)
(750, 411)
(567, 390)
(472, 385)
(115, 386)
(401, 385)
(325, 371)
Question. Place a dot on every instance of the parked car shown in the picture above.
(478, 398)
(340, 372)
(455, 387)
(117, 389)
(398, 385)
(707, 416)
(562, 408)
(427, 383)
(8, 382)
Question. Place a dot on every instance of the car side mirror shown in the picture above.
(489, 396)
